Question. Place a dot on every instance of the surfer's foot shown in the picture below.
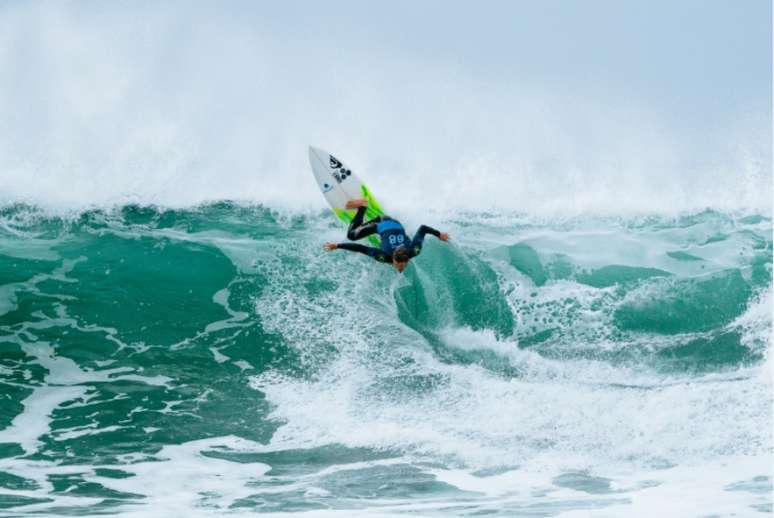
(356, 204)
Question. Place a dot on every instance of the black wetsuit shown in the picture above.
(391, 233)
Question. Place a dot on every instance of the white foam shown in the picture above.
(755, 322)
(107, 123)
(179, 480)
(91, 429)
(35, 420)
(64, 381)
(556, 415)
(218, 356)
(694, 490)
(8, 298)
(64, 371)
(184, 479)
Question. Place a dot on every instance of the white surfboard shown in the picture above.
(339, 184)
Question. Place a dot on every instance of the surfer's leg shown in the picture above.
(358, 230)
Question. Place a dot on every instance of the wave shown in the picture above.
(523, 344)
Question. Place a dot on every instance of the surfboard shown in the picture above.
(339, 184)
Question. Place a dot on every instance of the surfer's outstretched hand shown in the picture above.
(330, 247)
(443, 236)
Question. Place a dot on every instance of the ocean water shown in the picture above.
(214, 361)
(595, 340)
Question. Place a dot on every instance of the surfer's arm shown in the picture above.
(423, 231)
(370, 251)
(419, 238)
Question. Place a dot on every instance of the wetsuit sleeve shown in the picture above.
(370, 251)
(419, 238)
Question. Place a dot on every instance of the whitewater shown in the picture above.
(204, 361)
(595, 339)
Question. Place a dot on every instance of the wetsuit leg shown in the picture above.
(358, 230)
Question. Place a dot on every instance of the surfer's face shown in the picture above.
(400, 266)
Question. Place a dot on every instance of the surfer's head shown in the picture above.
(400, 258)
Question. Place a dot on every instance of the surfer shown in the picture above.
(396, 247)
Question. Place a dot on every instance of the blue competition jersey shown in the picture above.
(392, 235)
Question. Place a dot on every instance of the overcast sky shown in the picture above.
(700, 61)
(103, 98)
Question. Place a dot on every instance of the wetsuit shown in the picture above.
(391, 232)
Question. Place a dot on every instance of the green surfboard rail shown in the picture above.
(373, 210)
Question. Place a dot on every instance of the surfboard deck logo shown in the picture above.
(339, 184)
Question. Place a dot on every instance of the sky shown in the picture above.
(700, 62)
(130, 100)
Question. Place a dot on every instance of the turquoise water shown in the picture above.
(215, 361)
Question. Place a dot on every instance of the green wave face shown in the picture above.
(224, 338)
